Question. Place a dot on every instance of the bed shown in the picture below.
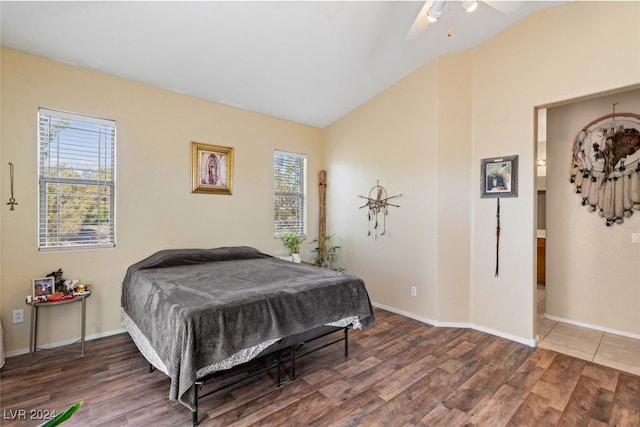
(195, 312)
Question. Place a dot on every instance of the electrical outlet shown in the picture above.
(414, 291)
(635, 237)
(18, 316)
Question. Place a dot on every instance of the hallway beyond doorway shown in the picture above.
(615, 351)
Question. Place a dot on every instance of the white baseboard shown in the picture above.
(463, 325)
(530, 342)
(590, 326)
(405, 314)
(65, 342)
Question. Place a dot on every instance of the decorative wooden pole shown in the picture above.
(322, 231)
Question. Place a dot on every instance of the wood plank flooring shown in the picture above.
(399, 372)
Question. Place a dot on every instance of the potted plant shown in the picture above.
(292, 242)
(325, 253)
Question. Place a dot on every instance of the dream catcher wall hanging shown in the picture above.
(378, 204)
(605, 166)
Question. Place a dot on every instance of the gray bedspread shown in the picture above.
(200, 306)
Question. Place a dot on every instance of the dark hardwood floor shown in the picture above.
(399, 372)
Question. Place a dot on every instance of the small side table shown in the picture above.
(34, 320)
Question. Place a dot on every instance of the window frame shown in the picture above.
(278, 232)
(58, 243)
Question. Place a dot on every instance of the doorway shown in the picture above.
(543, 326)
(583, 303)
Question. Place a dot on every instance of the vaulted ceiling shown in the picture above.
(304, 61)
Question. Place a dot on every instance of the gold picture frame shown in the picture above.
(211, 168)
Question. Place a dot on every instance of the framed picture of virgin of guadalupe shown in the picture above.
(211, 168)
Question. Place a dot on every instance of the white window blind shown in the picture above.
(76, 165)
(290, 193)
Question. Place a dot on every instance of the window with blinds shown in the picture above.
(290, 171)
(76, 167)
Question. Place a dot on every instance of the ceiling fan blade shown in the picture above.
(506, 7)
(420, 23)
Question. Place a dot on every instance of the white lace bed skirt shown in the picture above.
(236, 359)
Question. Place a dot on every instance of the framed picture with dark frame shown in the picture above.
(41, 288)
(211, 168)
(499, 177)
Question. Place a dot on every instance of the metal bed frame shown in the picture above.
(293, 351)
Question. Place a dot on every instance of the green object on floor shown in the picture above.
(62, 416)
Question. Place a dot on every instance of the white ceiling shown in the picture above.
(308, 62)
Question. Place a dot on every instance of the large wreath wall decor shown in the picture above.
(605, 166)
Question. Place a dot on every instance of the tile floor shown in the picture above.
(604, 348)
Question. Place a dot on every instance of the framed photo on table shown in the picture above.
(42, 288)
(499, 177)
(211, 168)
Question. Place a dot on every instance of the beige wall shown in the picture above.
(550, 56)
(404, 137)
(155, 208)
(415, 138)
(454, 198)
(423, 137)
(394, 139)
(2, 213)
(592, 270)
